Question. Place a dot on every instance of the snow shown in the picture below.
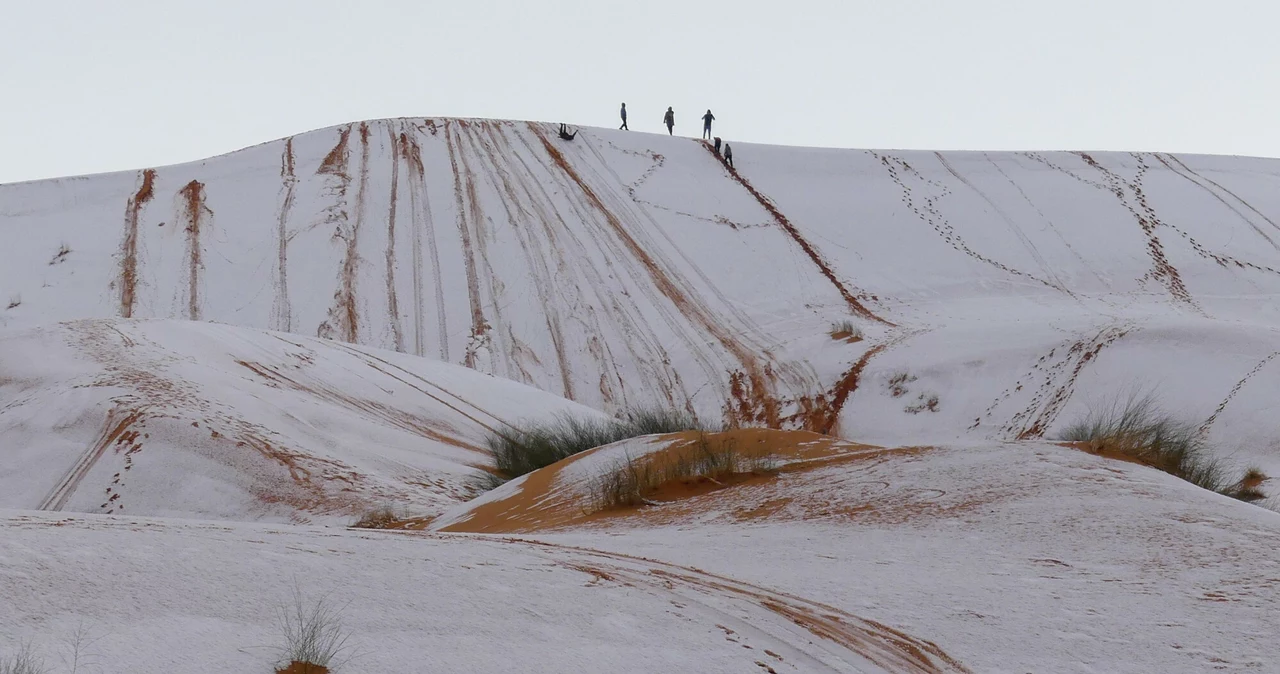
(200, 364)
(184, 419)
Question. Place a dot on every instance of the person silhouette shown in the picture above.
(706, 124)
(624, 119)
(670, 120)
(728, 155)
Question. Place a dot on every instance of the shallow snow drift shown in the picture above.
(179, 418)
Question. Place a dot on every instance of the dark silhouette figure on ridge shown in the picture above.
(670, 120)
(728, 155)
(706, 124)
(564, 133)
(624, 118)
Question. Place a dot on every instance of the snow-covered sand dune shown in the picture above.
(187, 419)
(622, 269)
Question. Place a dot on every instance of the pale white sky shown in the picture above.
(92, 85)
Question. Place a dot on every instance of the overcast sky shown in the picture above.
(93, 86)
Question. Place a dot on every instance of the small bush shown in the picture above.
(380, 518)
(538, 446)
(925, 402)
(1138, 429)
(24, 661)
(898, 383)
(845, 330)
(63, 251)
(313, 634)
(14, 302)
(632, 481)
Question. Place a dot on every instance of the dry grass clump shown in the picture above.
(632, 482)
(1139, 430)
(540, 445)
(898, 383)
(313, 635)
(846, 330)
(25, 661)
(925, 402)
(378, 518)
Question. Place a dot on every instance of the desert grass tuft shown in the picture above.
(539, 445)
(25, 661)
(378, 518)
(845, 330)
(1138, 429)
(632, 481)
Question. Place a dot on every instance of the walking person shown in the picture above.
(728, 155)
(624, 119)
(706, 124)
(717, 139)
(670, 120)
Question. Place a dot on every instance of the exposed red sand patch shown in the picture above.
(129, 247)
(296, 667)
(542, 504)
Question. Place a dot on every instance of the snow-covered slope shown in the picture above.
(180, 418)
(1014, 557)
(622, 269)
(156, 596)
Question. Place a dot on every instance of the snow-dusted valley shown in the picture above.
(207, 371)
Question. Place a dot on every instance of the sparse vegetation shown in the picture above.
(846, 330)
(540, 445)
(25, 661)
(63, 251)
(15, 301)
(313, 635)
(378, 518)
(632, 481)
(1137, 429)
(898, 383)
(925, 402)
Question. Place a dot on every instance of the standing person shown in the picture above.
(728, 155)
(624, 119)
(669, 119)
(706, 124)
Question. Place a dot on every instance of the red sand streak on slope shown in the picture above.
(114, 431)
(129, 248)
(854, 303)
(479, 327)
(393, 308)
(194, 208)
(1084, 353)
(758, 376)
(890, 649)
(282, 312)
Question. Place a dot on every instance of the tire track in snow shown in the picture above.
(115, 431)
(1188, 176)
(684, 300)
(570, 251)
(1235, 196)
(479, 326)
(281, 311)
(129, 246)
(420, 203)
(853, 300)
